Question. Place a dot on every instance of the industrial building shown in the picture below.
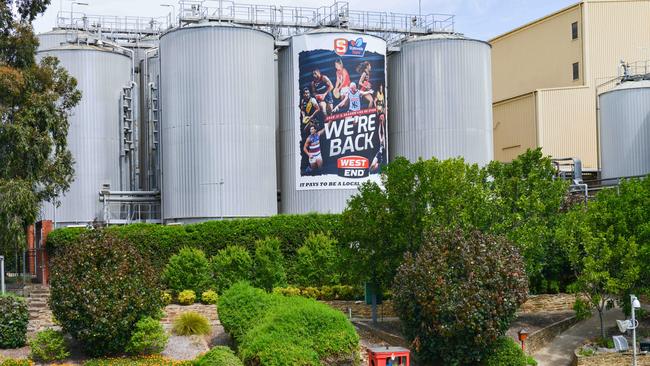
(233, 110)
(548, 76)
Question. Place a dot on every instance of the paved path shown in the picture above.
(560, 351)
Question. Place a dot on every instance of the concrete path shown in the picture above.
(560, 351)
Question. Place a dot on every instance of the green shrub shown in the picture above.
(186, 297)
(231, 265)
(506, 352)
(582, 309)
(189, 269)
(209, 297)
(316, 261)
(287, 291)
(12, 362)
(299, 331)
(240, 306)
(147, 338)
(458, 295)
(191, 323)
(166, 298)
(137, 361)
(218, 356)
(310, 292)
(269, 264)
(100, 288)
(48, 345)
(14, 317)
(160, 242)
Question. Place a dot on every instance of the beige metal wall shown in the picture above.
(539, 55)
(515, 128)
(615, 30)
(566, 120)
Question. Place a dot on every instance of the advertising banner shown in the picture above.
(341, 129)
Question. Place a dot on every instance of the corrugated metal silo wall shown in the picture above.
(54, 38)
(440, 100)
(625, 132)
(294, 201)
(218, 118)
(94, 133)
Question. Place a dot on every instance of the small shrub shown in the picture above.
(458, 295)
(148, 338)
(48, 345)
(316, 261)
(231, 265)
(12, 362)
(219, 356)
(240, 306)
(345, 292)
(155, 360)
(100, 288)
(269, 264)
(14, 317)
(166, 298)
(582, 309)
(506, 352)
(191, 323)
(209, 297)
(186, 297)
(287, 291)
(310, 293)
(189, 269)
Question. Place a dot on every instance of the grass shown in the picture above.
(191, 323)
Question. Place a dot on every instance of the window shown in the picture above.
(576, 71)
(574, 30)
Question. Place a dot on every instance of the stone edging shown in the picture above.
(392, 339)
(539, 339)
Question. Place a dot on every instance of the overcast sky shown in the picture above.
(482, 19)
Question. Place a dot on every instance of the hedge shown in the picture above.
(275, 330)
(161, 242)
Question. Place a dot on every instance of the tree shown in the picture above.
(35, 99)
(529, 200)
(601, 242)
(457, 296)
(384, 223)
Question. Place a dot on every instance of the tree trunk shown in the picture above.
(602, 327)
(374, 305)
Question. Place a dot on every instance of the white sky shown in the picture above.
(482, 19)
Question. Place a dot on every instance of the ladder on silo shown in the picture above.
(128, 145)
(154, 132)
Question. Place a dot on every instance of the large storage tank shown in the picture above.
(325, 193)
(625, 130)
(218, 123)
(56, 38)
(441, 99)
(94, 132)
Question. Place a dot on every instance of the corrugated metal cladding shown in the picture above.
(625, 130)
(93, 135)
(55, 38)
(440, 99)
(149, 86)
(218, 118)
(295, 201)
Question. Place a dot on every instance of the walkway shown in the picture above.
(560, 351)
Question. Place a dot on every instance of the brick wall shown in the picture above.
(548, 303)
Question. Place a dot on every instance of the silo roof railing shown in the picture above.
(119, 27)
(292, 20)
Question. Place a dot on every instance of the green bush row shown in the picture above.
(14, 317)
(274, 330)
(323, 293)
(161, 242)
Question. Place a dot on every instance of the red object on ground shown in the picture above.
(389, 356)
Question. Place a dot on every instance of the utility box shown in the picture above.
(389, 356)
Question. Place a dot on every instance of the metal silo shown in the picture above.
(218, 123)
(56, 38)
(306, 186)
(95, 132)
(441, 99)
(150, 121)
(625, 130)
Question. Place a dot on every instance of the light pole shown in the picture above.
(635, 305)
(173, 16)
(72, 4)
(2, 274)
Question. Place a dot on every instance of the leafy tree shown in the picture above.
(606, 242)
(528, 207)
(35, 99)
(457, 296)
